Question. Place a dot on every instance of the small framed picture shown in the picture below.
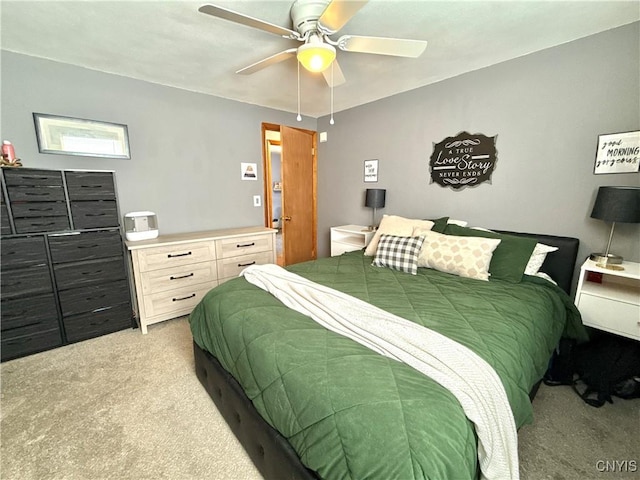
(371, 170)
(249, 171)
(618, 153)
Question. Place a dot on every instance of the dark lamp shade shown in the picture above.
(617, 204)
(375, 198)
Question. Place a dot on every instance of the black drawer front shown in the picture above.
(22, 252)
(26, 282)
(28, 344)
(85, 246)
(5, 226)
(39, 209)
(99, 214)
(36, 194)
(95, 297)
(90, 186)
(19, 313)
(30, 177)
(89, 325)
(71, 275)
(43, 224)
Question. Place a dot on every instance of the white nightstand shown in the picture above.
(610, 299)
(347, 238)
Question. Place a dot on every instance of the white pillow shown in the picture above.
(537, 258)
(461, 223)
(397, 226)
(463, 256)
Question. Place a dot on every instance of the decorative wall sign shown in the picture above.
(618, 153)
(371, 170)
(463, 161)
(249, 171)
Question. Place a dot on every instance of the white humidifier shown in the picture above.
(140, 226)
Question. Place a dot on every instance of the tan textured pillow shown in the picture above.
(463, 256)
(397, 226)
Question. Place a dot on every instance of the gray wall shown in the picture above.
(186, 148)
(547, 109)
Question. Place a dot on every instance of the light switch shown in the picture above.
(257, 201)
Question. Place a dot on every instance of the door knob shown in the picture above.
(286, 218)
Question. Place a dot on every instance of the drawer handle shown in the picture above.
(182, 276)
(171, 255)
(240, 245)
(184, 298)
(88, 246)
(246, 264)
(95, 214)
(90, 186)
(94, 272)
(42, 224)
(37, 194)
(13, 284)
(33, 209)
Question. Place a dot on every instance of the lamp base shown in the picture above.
(606, 258)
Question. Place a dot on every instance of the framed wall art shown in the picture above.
(371, 171)
(76, 136)
(618, 153)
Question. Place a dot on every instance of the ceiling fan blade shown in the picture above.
(243, 19)
(273, 59)
(397, 47)
(338, 76)
(337, 14)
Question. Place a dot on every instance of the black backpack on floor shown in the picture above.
(604, 367)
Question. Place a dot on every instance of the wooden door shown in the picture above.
(298, 195)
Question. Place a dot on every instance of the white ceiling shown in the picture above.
(171, 43)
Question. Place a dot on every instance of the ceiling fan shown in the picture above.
(314, 22)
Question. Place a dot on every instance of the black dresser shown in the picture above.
(63, 273)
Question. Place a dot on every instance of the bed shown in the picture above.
(306, 402)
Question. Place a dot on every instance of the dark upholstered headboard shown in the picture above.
(560, 264)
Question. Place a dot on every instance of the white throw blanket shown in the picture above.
(467, 376)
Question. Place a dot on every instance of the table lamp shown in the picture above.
(375, 199)
(615, 204)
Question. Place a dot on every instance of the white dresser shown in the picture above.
(173, 272)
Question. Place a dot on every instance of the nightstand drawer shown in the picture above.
(232, 247)
(176, 302)
(610, 315)
(231, 267)
(169, 256)
(178, 276)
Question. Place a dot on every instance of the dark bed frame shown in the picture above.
(271, 452)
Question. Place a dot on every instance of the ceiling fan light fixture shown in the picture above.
(316, 57)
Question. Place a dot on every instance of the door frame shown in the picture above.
(266, 168)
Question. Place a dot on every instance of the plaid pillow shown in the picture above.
(398, 253)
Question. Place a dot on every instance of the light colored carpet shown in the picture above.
(129, 406)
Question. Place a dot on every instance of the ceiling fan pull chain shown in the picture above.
(331, 121)
(299, 117)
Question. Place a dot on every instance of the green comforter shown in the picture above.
(353, 414)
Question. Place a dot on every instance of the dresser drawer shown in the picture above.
(98, 214)
(232, 247)
(28, 344)
(89, 325)
(174, 303)
(71, 275)
(32, 177)
(610, 315)
(26, 282)
(36, 194)
(90, 186)
(21, 312)
(231, 267)
(172, 255)
(22, 252)
(94, 297)
(42, 224)
(39, 209)
(85, 246)
(178, 276)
